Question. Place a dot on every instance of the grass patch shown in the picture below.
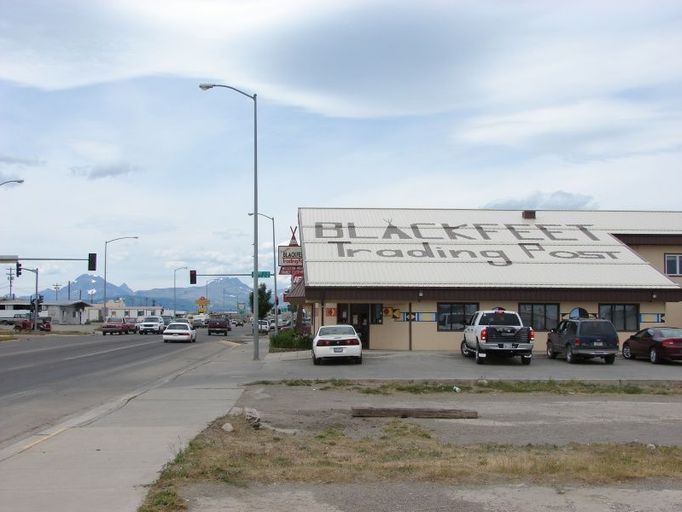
(401, 451)
(484, 386)
(289, 340)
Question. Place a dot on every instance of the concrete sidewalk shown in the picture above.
(104, 459)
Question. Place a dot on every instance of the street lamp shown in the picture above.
(175, 307)
(106, 243)
(274, 268)
(11, 181)
(206, 87)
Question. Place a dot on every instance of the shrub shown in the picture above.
(290, 340)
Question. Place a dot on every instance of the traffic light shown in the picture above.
(41, 299)
(192, 277)
(92, 261)
(18, 269)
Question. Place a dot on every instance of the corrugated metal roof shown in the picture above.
(479, 248)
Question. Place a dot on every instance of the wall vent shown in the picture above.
(528, 214)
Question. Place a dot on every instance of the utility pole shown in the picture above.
(10, 277)
(56, 287)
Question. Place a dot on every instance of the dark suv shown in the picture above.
(583, 338)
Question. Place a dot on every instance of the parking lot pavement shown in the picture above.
(379, 364)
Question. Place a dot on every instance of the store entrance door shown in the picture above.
(359, 317)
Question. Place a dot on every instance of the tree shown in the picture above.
(264, 296)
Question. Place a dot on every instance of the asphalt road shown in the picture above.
(45, 379)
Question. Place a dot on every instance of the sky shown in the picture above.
(372, 103)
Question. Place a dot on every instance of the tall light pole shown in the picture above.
(11, 181)
(106, 243)
(274, 268)
(175, 307)
(206, 87)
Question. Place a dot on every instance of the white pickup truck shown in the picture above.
(500, 332)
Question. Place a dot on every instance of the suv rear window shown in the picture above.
(499, 319)
(597, 329)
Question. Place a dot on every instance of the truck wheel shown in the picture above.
(479, 359)
(570, 356)
(609, 359)
(464, 349)
(550, 352)
(526, 360)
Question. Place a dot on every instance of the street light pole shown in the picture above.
(175, 307)
(205, 87)
(106, 243)
(274, 268)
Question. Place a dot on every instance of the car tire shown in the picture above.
(358, 360)
(570, 356)
(464, 349)
(479, 359)
(526, 360)
(654, 356)
(316, 361)
(550, 353)
(610, 359)
(208, 332)
(165, 341)
(627, 351)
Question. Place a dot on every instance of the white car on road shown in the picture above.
(335, 341)
(179, 331)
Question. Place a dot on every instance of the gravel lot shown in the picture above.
(503, 418)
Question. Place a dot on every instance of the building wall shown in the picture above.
(655, 255)
(394, 333)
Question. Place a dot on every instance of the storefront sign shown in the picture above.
(290, 256)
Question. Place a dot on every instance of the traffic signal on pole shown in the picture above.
(192, 277)
(92, 261)
(18, 269)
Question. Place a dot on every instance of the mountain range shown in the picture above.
(224, 293)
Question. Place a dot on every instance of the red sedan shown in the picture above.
(656, 344)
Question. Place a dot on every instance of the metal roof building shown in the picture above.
(429, 261)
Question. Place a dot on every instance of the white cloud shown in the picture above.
(586, 128)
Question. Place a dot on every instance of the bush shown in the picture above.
(290, 340)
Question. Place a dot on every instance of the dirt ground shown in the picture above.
(503, 418)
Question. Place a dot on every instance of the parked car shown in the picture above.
(497, 332)
(335, 341)
(154, 324)
(118, 326)
(263, 326)
(179, 331)
(583, 338)
(219, 324)
(656, 344)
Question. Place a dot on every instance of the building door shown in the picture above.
(357, 315)
(359, 318)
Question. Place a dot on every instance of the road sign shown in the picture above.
(262, 273)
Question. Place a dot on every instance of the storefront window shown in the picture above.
(541, 317)
(454, 316)
(624, 317)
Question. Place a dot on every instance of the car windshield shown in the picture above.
(336, 329)
(178, 327)
(115, 321)
(669, 333)
(597, 329)
(150, 319)
(500, 318)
